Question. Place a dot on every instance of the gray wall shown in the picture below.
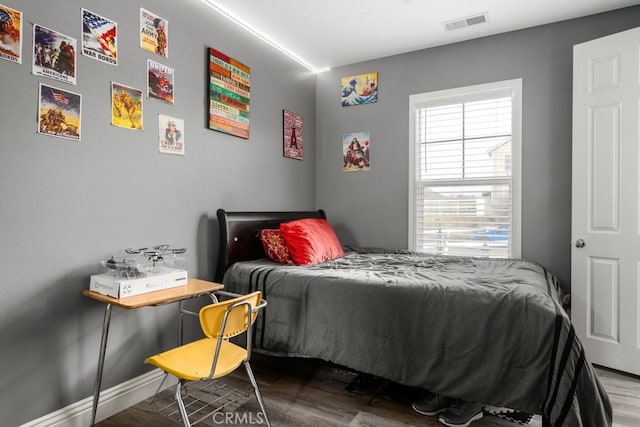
(65, 205)
(370, 208)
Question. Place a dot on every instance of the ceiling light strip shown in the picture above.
(262, 37)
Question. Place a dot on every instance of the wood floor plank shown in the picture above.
(309, 393)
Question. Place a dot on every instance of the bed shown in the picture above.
(486, 330)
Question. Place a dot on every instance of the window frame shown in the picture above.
(466, 94)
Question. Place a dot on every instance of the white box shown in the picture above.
(162, 278)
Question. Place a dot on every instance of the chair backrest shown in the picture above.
(212, 316)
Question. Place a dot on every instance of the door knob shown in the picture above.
(580, 243)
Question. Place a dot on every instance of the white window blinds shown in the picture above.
(463, 177)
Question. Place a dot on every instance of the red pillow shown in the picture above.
(274, 246)
(311, 241)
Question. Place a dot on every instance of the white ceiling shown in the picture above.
(331, 33)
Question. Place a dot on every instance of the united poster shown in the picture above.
(126, 106)
(99, 38)
(59, 113)
(154, 33)
(159, 81)
(10, 34)
(54, 55)
(229, 93)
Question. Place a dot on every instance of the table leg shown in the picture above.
(103, 348)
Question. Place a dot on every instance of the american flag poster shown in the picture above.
(54, 55)
(59, 113)
(10, 34)
(99, 38)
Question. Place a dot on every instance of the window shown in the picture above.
(465, 171)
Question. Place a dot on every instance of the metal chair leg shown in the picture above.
(247, 367)
(183, 410)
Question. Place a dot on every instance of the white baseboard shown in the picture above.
(112, 401)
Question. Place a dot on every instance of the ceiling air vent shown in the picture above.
(456, 24)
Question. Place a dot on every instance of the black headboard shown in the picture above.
(239, 234)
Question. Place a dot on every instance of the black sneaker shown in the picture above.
(461, 414)
(432, 404)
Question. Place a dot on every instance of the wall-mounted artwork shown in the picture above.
(229, 93)
(154, 33)
(59, 113)
(10, 34)
(126, 107)
(359, 89)
(99, 38)
(292, 133)
(355, 151)
(159, 81)
(54, 55)
(171, 135)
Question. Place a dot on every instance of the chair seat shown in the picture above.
(193, 361)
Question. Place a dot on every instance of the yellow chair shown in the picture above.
(215, 356)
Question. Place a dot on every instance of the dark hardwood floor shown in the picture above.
(303, 392)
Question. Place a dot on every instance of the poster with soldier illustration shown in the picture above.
(59, 113)
(126, 106)
(10, 34)
(154, 33)
(54, 55)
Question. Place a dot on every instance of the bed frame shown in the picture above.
(239, 234)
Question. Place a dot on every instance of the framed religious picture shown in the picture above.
(292, 131)
(355, 151)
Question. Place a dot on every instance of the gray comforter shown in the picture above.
(484, 330)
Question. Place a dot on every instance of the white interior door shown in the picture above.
(605, 270)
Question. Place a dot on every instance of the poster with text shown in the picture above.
(99, 38)
(355, 151)
(359, 89)
(126, 106)
(159, 81)
(54, 55)
(229, 93)
(171, 135)
(154, 33)
(10, 34)
(59, 113)
(293, 132)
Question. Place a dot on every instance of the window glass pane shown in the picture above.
(466, 220)
(443, 123)
(464, 186)
(487, 118)
(487, 157)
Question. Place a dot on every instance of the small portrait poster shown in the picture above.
(159, 81)
(126, 106)
(293, 131)
(59, 113)
(154, 33)
(54, 55)
(99, 38)
(355, 151)
(171, 135)
(10, 34)
(360, 89)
